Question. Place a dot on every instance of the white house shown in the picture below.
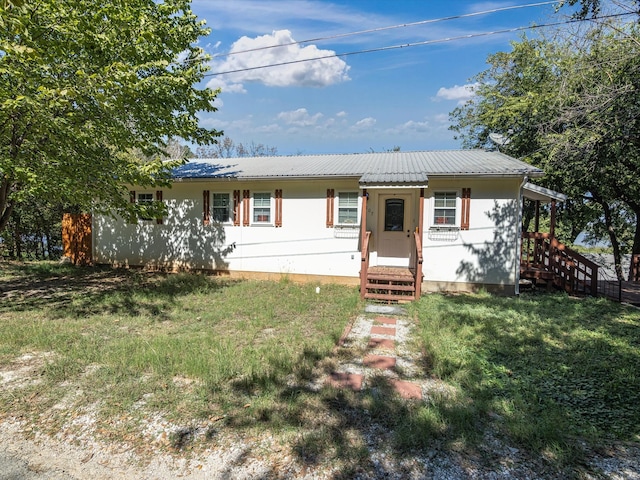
(449, 218)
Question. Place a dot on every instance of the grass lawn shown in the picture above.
(221, 359)
(544, 370)
(125, 345)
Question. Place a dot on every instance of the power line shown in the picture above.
(380, 29)
(416, 44)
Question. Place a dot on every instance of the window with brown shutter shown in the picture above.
(236, 208)
(206, 216)
(466, 204)
(159, 199)
(278, 208)
(330, 200)
(246, 208)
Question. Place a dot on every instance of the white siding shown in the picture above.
(303, 245)
(484, 254)
(487, 252)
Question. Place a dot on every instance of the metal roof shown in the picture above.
(542, 194)
(368, 168)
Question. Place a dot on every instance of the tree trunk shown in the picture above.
(617, 257)
(17, 239)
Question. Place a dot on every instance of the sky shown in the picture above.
(357, 103)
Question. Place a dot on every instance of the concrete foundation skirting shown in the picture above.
(466, 287)
(427, 286)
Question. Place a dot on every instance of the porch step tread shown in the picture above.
(390, 277)
(384, 286)
(388, 297)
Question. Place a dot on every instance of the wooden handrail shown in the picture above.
(571, 270)
(364, 266)
(418, 265)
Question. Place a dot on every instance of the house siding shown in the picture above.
(485, 254)
(303, 245)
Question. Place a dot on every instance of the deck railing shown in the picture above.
(364, 266)
(542, 253)
(417, 265)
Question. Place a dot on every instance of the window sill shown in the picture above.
(444, 228)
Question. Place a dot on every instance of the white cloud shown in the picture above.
(226, 87)
(461, 93)
(409, 127)
(442, 118)
(272, 128)
(341, 114)
(414, 126)
(364, 124)
(299, 118)
(295, 72)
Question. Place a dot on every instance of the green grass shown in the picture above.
(191, 347)
(544, 372)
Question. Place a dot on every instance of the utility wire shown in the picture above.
(415, 44)
(380, 29)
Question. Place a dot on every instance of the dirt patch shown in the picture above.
(25, 370)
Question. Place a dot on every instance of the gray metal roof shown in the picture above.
(368, 168)
(542, 194)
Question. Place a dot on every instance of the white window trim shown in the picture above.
(271, 221)
(337, 210)
(432, 210)
(229, 219)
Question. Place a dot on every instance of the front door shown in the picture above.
(394, 230)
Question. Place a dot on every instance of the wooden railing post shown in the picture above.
(418, 266)
(364, 264)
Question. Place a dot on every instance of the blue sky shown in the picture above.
(357, 103)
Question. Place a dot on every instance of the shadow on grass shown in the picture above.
(543, 373)
(544, 370)
(70, 291)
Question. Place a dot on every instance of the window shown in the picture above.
(220, 207)
(348, 207)
(145, 199)
(262, 207)
(394, 215)
(444, 212)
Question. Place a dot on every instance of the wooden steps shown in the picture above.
(390, 284)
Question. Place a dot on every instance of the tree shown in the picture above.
(572, 108)
(90, 93)
(591, 8)
(227, 148)
(597, 134)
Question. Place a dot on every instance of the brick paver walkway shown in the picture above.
(382, 337)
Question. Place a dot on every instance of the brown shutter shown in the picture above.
(466, 204)
(206, 215)
(330, 198)
(159, 199)
(246, 210)
(132, 199)
(278, 208)
(236, 208)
